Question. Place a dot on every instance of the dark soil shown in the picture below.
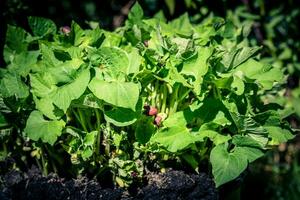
(170, 185)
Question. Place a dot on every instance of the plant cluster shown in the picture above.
(143, 95)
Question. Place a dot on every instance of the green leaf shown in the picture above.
(136, 14)
(278, 134)
(197, 66)
(39, 128)
(238, 85)
(264, 75)
(86, 153)
(181, 119)
(77, 34)
(16, 39)
(120, 94)
(88, 100)
(171, 6)
(246, 141)
(86, 38)
(112, 59)
(175, 138)
(212, 109)
(41, 26)
(226, 166)
(42, 84)
(236, 57)
(65, 72)
(182, 25)
(250, 153)
(48, 56)
(22, 63)
(214, 136)
(144, 129)
(12, 85)
(65, 94)
(90, 138)
(120, 116)
(3, 121)
(135, 61)
(45, 106)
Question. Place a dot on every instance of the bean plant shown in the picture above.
(148, 92)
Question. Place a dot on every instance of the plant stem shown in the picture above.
(98, 142)
(98, 117)
(54, 157)
(174, 102)
(88, 121)
(78, 117)
(156, 97)
(4, 148)
(164, 100)
(182, 96)
(106, 139)
(44, 163)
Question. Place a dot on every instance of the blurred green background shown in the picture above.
(274, 24)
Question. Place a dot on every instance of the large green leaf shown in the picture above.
(264, 75)
(45, 105)
(182, 25)
(175, 138)
(64, 72)
(120, 94)
(135, 61)
(181, 118)
(65, 94)
(41, 26)
(227, 166)
(22, 63)
(278, 134)
(197, 66)
(246, 141)
(48, 56)
(234, 58)
(136, 14)
(88, 101)
(39, 128)
(16, 39)
(42, 84)
(112, 59)
(120, 116)
(214, 136)
(144, 129)
(44, 87)
(12, 85)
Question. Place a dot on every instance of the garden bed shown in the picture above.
(172, 184)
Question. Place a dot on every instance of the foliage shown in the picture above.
(84, 92)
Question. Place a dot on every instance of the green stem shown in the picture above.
(106, 139)
(4, 148)
(44, 164)
(98, 117)
(182, 96)
(38, 163)
(164, 100)
(156, 97)
(174, 102)
(82, 119)
(216, 92)
(54, 157)
(98, 142)
(86, 118)
(78, 117)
